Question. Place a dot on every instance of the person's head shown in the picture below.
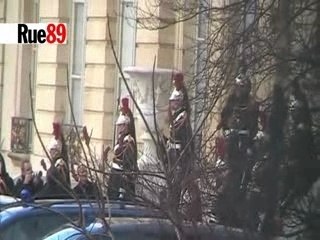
(26, 195)
(124, 105)
(26, 168)
(178, 80)
(242, 86)
(55, 148)
(82, 173)
(176, 100)
(122, 124)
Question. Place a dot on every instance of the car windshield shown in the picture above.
(27, 224)
(65, 232)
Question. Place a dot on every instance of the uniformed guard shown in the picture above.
(180, 149)
(241, 110)
(125, 110)
(180, 128)
(239, 122)
(121, 182)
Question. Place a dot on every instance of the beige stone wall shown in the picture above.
(151, 43)
(12, 85)
(51, 75)
(100, 72)
(2, 19)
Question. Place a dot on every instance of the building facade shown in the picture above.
(35, 79)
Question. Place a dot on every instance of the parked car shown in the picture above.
(34, 220)
(146, 229)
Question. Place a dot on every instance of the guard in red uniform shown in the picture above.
(121, 182)
(181, 150)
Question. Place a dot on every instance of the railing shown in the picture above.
(72, 141)
(21, 135)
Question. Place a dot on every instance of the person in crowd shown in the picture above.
(56, 185)
(6, 182)
(28, 179)
(85, 188)
(58, 147)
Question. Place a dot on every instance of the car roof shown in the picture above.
(117, 224)
(22, 210)
(152, 227)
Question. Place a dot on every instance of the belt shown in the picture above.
(240, 132)
(175, 145)
(116, 166)
(243, 132)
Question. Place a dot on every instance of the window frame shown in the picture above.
(81, 76)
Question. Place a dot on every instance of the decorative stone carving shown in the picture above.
(151, 110)
(142, 80)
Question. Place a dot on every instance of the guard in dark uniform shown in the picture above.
(121, 182)
(239, 122)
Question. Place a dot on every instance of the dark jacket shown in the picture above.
(87, 190)
(5, 177)
(33, 187)
(55, 186)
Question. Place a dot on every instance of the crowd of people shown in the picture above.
(57, 182)
(54, 184)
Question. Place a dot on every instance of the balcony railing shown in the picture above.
(21, 135)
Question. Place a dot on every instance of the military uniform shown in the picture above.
(181, 153)
(121, 182)
(239, 121)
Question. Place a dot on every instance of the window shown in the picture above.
(34, 227)
(77, 59)
(127, 38)
(21, 132)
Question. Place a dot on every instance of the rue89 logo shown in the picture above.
(56, 33)
(52, 33)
